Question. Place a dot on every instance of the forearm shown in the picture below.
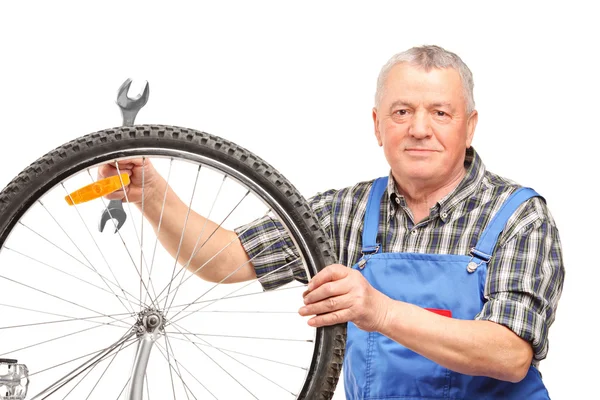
(480, 348)
(217, 251)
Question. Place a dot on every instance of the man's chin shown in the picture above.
(416, 175)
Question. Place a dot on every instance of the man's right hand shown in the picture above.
(141, 173)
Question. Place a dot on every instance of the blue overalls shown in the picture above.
(376, 367)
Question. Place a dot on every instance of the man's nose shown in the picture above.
(420, 127)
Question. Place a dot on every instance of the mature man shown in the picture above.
(439, 237)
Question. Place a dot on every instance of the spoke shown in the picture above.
(162, 209)
(224, 370)
(227, 277)
(89, 368)
(75, 359)
(235, 297)
(61, 337)
(66, 273)
(239, 362)
(240, 353)
(122, 390)
(236, 290)
(97, 246)
(240, 337)
(137, 236)
(82, 263)
(240, 311)
(187, 215)
(59, 315)
(193, 252)
(81, 251)
(206, 241)
(55, 322)
(74, 374)
(90, 371)
(57, 297)
(171, 369)
(230, 274)
(81, 380)
(105, 369)
(168, 342)
(202, 266)
(188, 371)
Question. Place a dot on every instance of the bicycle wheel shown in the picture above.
(77, 300)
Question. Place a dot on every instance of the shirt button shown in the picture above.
(444, 215)
(397, 199)
(414, 232)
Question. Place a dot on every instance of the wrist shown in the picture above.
(384, 313)
(152, 198)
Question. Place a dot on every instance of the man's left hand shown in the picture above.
(339, 294)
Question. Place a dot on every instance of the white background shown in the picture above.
(295, 85)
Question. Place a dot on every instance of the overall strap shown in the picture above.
(487, 242)
(371, 224)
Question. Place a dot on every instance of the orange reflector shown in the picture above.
(97, 189)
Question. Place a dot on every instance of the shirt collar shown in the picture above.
(475, 171)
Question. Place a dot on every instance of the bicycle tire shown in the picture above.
(23, 191)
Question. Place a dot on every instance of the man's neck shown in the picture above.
(421, 196)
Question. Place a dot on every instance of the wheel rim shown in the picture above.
(25, 230)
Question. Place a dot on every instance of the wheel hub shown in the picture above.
(150, 321)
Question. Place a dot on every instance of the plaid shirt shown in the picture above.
(525, 274)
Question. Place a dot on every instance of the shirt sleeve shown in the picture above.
(272, 252)
(525, 277)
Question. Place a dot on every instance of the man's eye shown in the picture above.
(401, 112)
(441, 113)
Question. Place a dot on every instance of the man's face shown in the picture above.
(422, 124)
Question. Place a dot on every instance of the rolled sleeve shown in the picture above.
(524, 284)
(272, 252)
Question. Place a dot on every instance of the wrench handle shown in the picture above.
(129, 116)
(115, 204)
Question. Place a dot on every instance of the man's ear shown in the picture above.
(471, 125)
(376, 126)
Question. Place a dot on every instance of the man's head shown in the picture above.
(425, 115)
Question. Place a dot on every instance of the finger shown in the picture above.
(333, 318)
(330, 273)
(326, 306)
(118, 195)
(106, 170)
(327, 290)
(111, 169)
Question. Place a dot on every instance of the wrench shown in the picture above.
(113, 210)
(130, 106)
(129, 109)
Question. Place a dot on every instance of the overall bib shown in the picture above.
(376, 367)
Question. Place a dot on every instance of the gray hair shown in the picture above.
(428, 57)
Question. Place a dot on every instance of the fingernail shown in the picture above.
(302, 310)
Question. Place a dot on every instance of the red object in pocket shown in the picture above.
(445, 313)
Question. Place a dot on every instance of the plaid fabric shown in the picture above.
(525, 274)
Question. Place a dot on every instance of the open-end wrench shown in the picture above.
(130, 106)
(113, 210)
(129, 109)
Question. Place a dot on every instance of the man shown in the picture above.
(440, 237)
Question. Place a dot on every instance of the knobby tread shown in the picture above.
(54, 166)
